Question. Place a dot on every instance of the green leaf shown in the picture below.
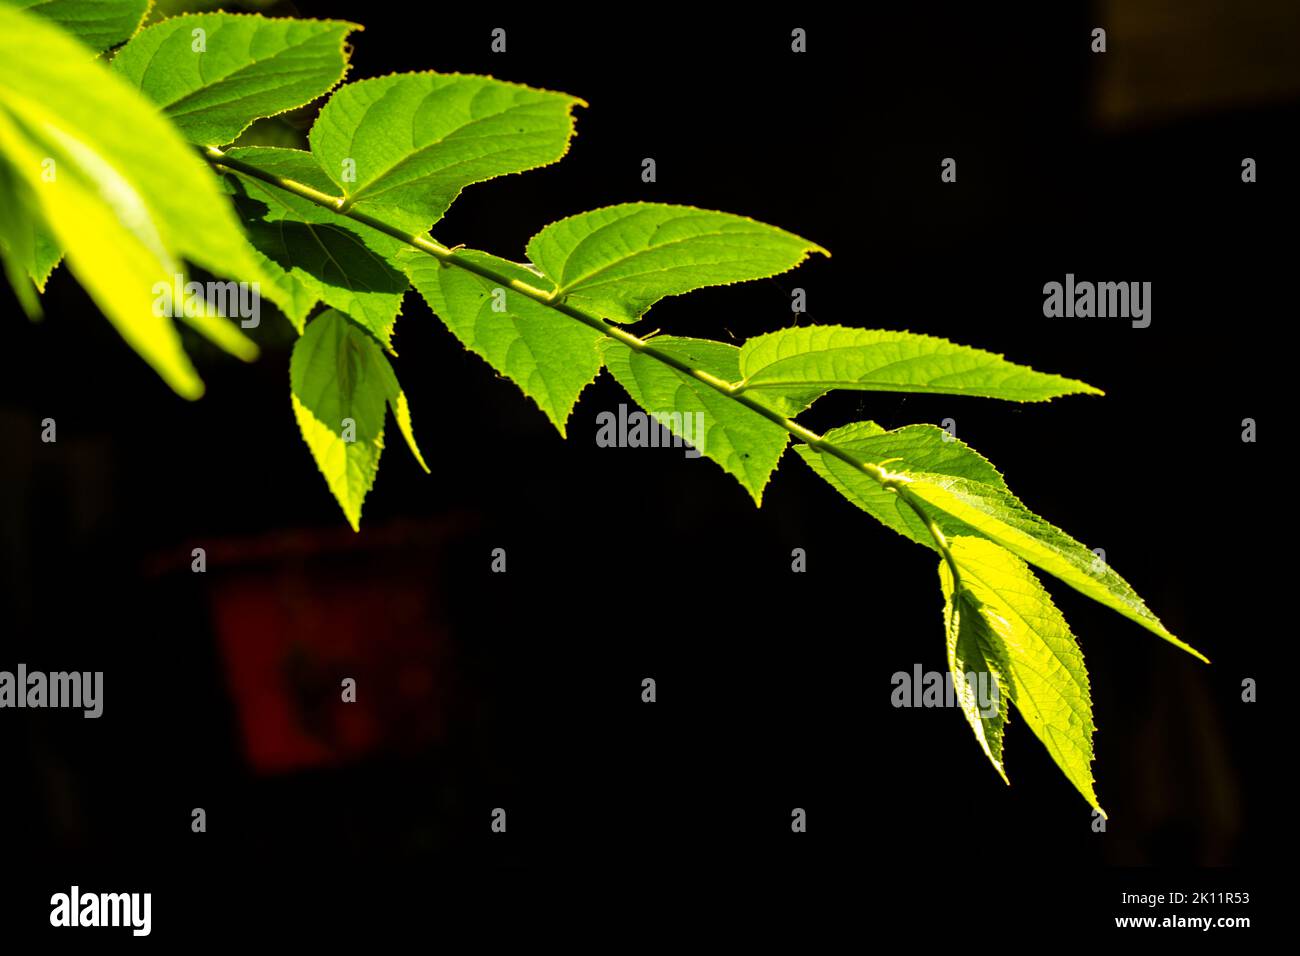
(128, 198)
(113, 248)
(316, 254)
(249, 67)
(743, 442)
(1003, 616)
(620, 260)
(551, 357)
(29, 250)
(801, 364)
(99, 24)
(965, 495)
(340, 383)
(924, 448)
(402, 147)
(978, 664)
(996, 514)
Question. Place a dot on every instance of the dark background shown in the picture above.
(773, 687)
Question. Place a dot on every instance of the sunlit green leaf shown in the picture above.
(800, 364)
(341, 384)
(1003, 620)
(29, 249)
(743, 442)
(118, 188)
(402, 147)
(966, 496)
(99, 24)
(215, 73)
(549, 356)
(316, 254)
(620, 260)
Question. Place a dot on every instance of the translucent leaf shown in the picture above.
(318, 255)
(966, 496)
(977, 663)
(30, 250)
(551, 357)
(924, 448)
(1000, 617)
(996, 514)
(743, 442)
(620, 260)
(113, 248)
(341, 382)
(801, 364)
(99, 24)
(89, 147)
(246, 67)
(402, 147)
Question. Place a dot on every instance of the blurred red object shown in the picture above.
(296, 615)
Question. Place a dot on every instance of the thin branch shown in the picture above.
(450, 257)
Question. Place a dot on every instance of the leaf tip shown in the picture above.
(1182, 645)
